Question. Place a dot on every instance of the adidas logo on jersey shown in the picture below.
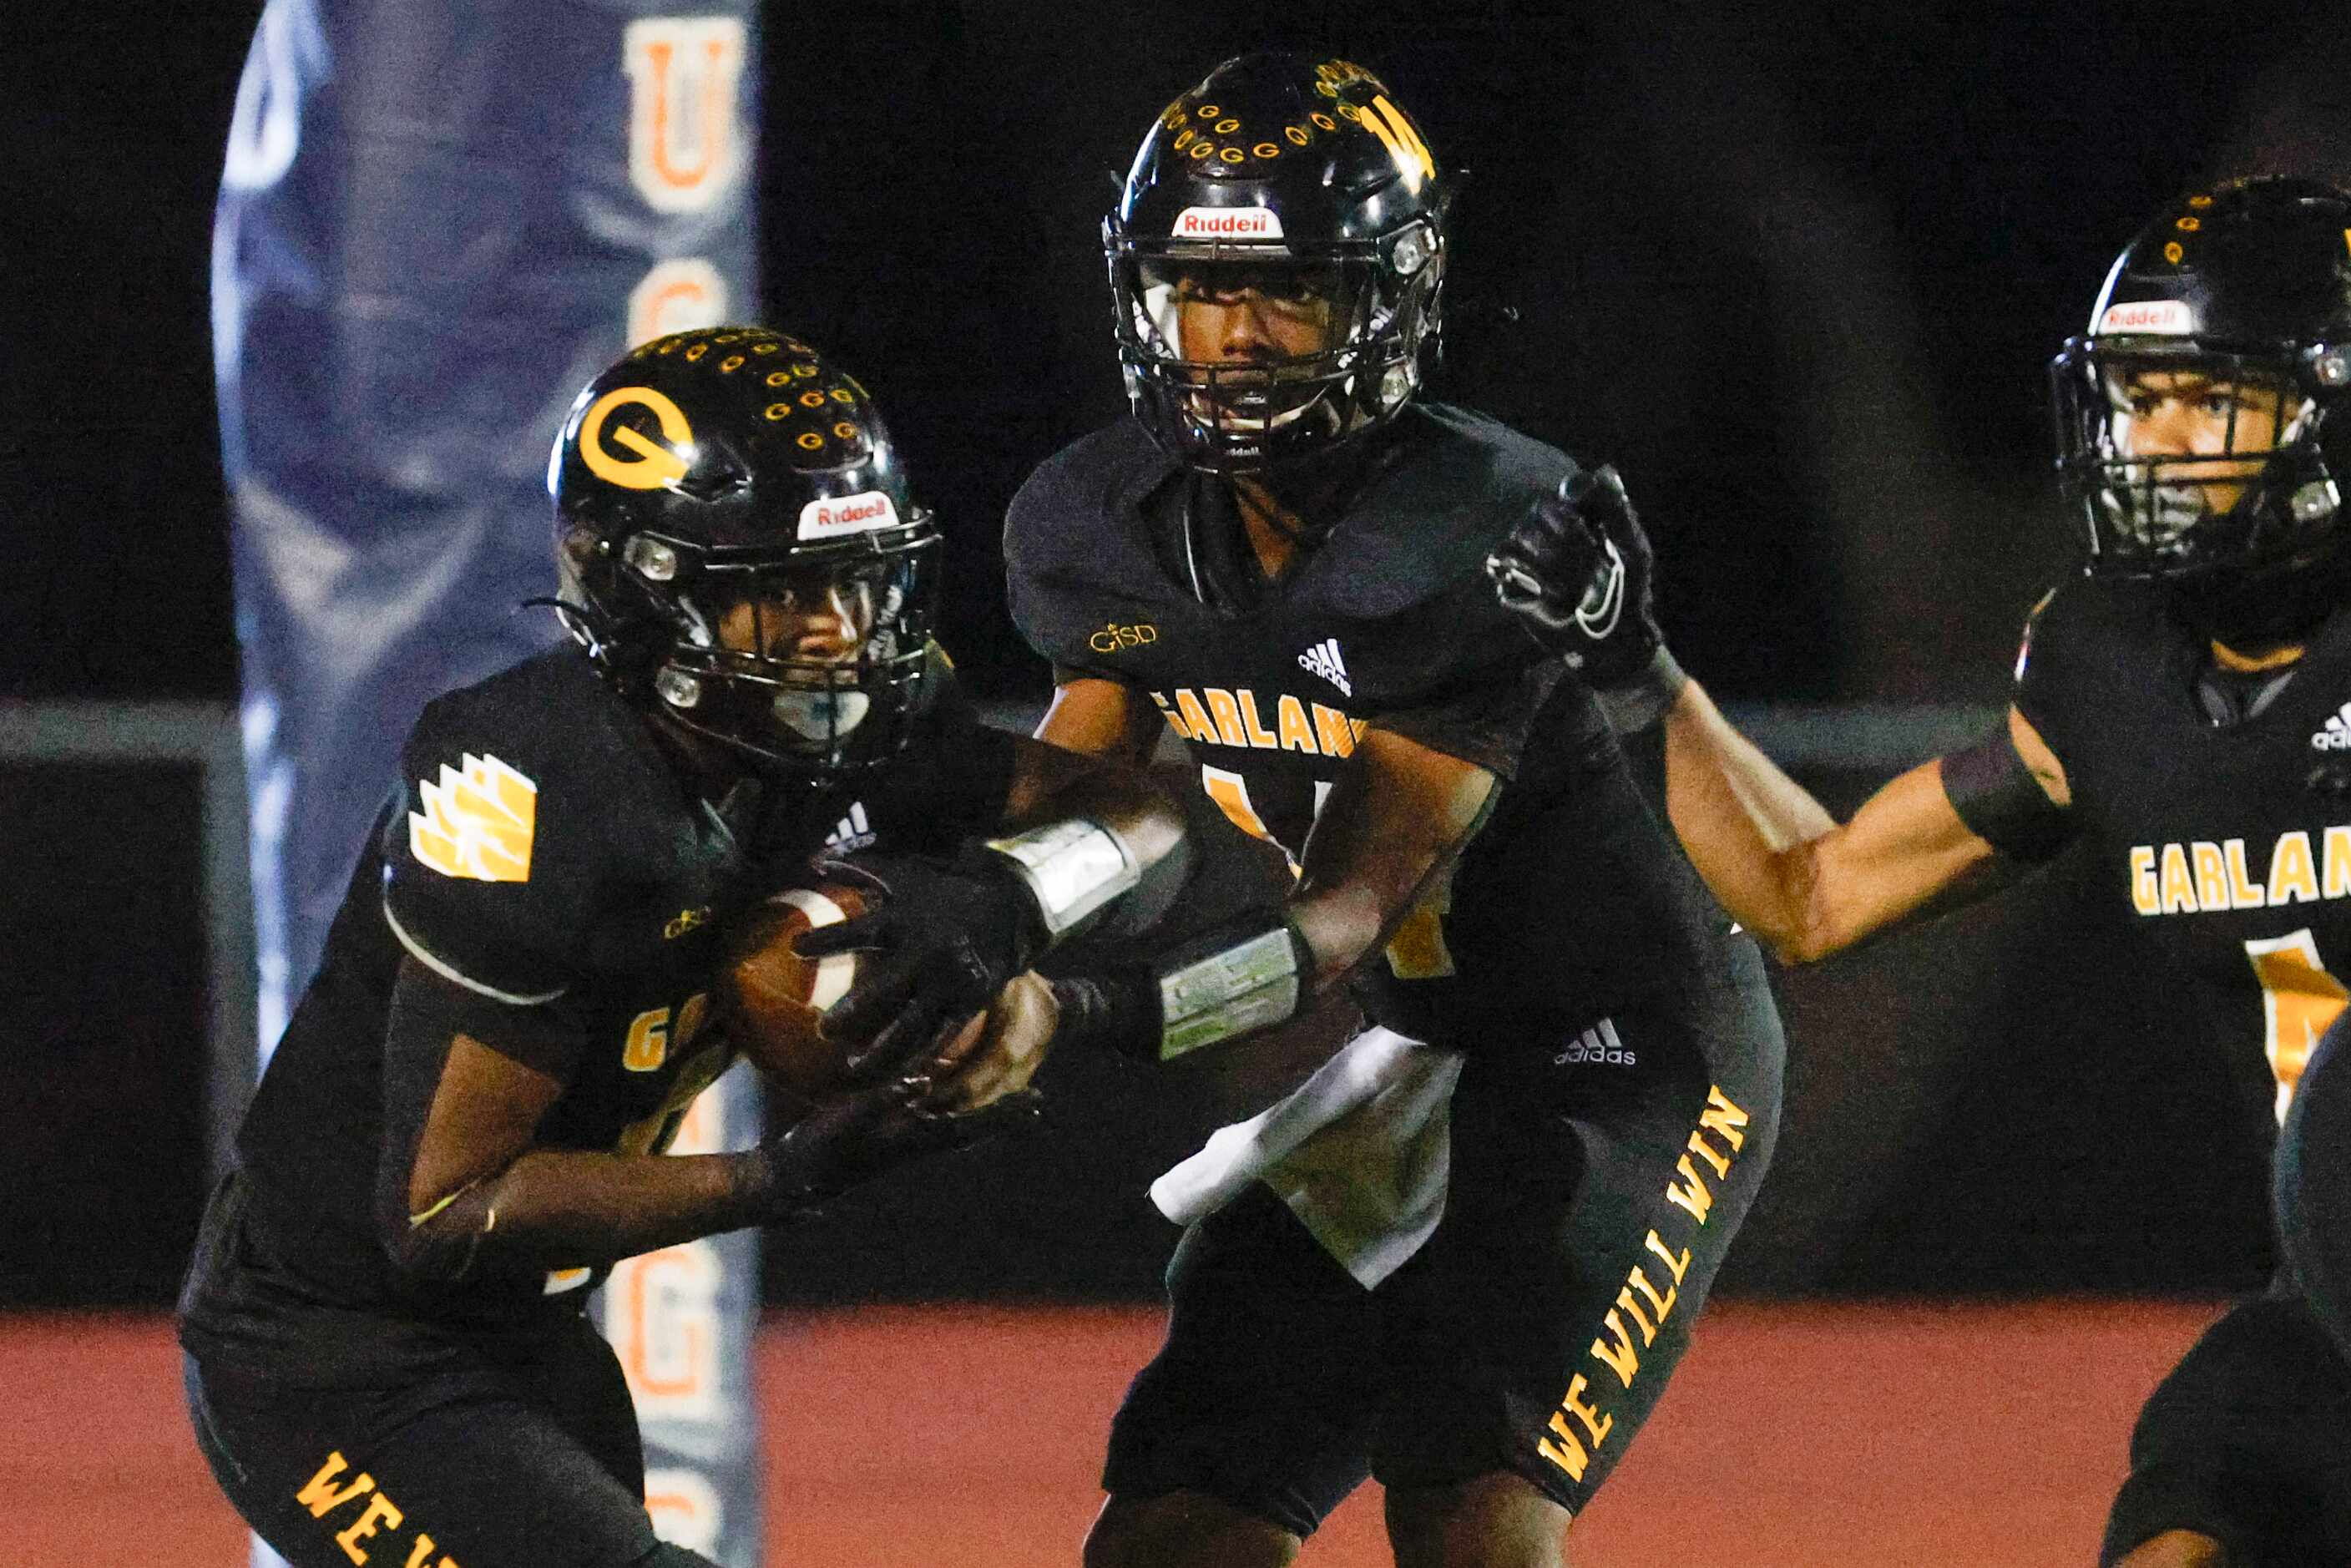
(1323, 659)
(851, 832)
(2335, 735)
(1596, 1046)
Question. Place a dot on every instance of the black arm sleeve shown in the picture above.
(2002, 802)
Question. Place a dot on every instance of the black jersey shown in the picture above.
(542, 850)
(2232, 843)
(1570, 901)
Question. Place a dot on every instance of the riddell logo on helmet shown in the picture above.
(2167, 316)
(1227, 222)
(859, 514)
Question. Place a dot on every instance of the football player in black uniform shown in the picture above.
(1279, 558)
(2186, 707)
(459, 1132)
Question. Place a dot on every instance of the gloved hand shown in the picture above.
(1115, 1008)
(1576, 574)
(942, 940)
(842, 1142)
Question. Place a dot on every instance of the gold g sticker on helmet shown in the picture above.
(652, 465)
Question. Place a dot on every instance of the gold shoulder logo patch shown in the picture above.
(477, 823)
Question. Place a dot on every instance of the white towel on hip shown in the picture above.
(1360, 1151)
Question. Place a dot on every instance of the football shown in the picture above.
(776, 999)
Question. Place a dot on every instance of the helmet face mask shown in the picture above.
(1275, 263)
(740, 554)
(2198, 437)
(809, 662)
(1304, 322)
(2189, 459)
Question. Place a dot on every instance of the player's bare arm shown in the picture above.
(1806, 883)
(1100, 717)
(1398, 813)
(480, 1189)
(1396, 816)
(1050, 782)
(1396, 819)
(1578, 572)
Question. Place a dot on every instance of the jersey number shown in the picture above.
(650, 1035)
(647, 1047)
(2299, 1000)
(654, 1133)
(1417, 951)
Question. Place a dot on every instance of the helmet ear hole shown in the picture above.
(580, 546)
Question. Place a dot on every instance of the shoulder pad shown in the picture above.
(2120, 615)
(1074, 540)
(1452, 485)
(513, 797)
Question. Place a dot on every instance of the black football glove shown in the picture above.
(1576, 574)
(944, 939)
(1116, 1009)
(844, 1143)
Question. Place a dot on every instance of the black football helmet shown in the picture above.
(2243, 292)
(1301, 179)
(716, 489)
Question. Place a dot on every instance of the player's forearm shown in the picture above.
(1784, 868)
(1388, 835)
(1123, 800)
(568, 1209)
(1747, 826)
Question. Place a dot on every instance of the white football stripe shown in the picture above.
(834, 971)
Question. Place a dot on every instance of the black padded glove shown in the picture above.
(943, 939)
(845, 1142)
(1576, 574)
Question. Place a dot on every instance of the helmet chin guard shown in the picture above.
(739, 553)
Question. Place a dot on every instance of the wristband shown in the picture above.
(1253, 984)
(1209, 990)
(1634, 703)
(1071, 867)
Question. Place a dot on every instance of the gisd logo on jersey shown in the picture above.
(477, 823)
(1114, 636)
(684, 148)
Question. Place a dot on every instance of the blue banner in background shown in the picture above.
(437, 222)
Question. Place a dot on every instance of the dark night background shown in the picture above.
(1795, 274)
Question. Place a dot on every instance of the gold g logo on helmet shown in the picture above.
(644, 463)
